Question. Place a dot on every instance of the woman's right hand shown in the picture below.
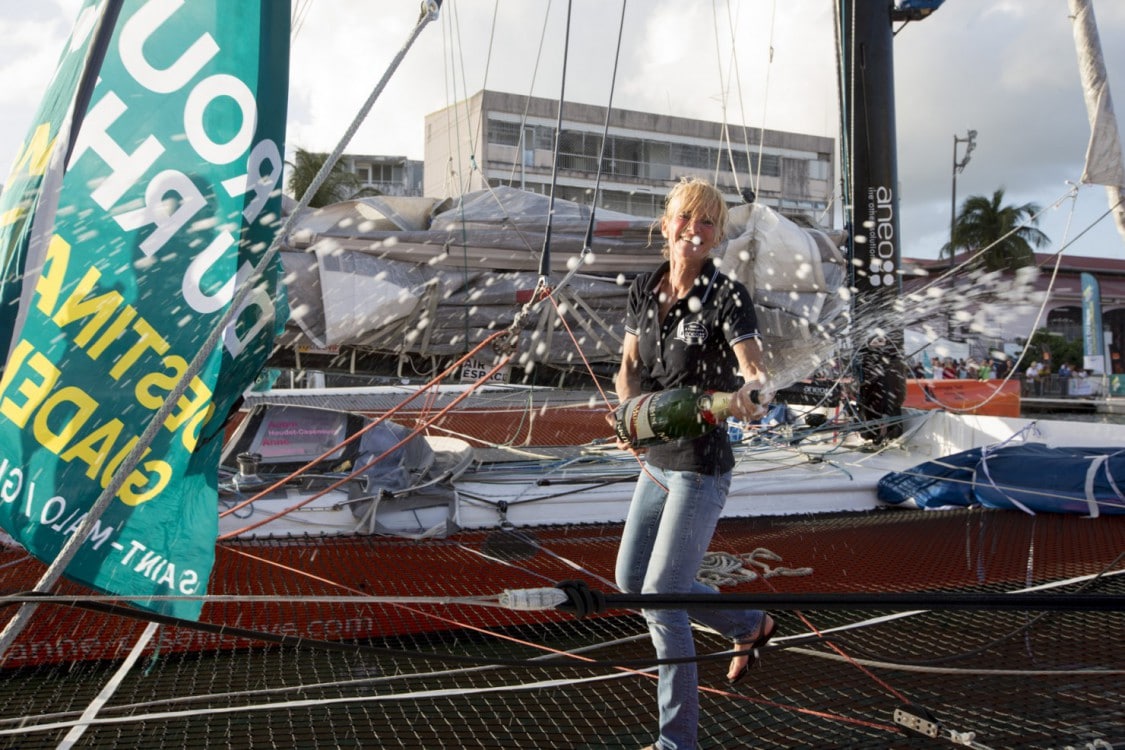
(611, 418)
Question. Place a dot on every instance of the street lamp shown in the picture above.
(970, 141)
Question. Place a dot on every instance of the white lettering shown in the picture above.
(189, 584)
(157, 210)
(200, 264)
(49, 516)
(136, 32)
(13, 483)
(125, 169)
(265, 152)
(205, 92)
(257, 298)
(148, 562)
(135, 547)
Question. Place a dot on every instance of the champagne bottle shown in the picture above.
(666, 416)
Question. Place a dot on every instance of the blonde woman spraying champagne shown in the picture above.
(687, 325)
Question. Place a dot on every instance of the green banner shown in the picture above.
(21, 196)
(165, 202)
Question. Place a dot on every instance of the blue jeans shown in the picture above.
(666, 535)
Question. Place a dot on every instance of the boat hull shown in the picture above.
(889, 550)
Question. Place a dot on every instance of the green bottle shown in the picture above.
(667, 416)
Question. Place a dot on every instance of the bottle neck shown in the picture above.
(714, 406)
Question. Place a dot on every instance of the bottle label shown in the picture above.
(633, 422)
(666, 416)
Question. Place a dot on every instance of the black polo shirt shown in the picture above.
(692, 348)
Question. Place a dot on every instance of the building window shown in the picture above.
(770, 165)
(375, 173)
(694, 157)
(818, 169)
(1066, 322)
(503, 133)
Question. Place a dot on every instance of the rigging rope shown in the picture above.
(359, 433)
(545, 256)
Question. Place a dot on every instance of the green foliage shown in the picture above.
(340, 184)
(1061, 350)
(1005, 235)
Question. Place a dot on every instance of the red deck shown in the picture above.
(884, 551)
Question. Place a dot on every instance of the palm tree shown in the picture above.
(340, 185)
(987, 224)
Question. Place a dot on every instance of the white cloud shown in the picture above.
(1007, 69)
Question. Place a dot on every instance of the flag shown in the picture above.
(146, 192)
(1093, 338)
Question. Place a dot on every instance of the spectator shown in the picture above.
(1031, 378)
(1064, 378)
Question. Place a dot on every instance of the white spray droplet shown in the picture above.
(697, 240)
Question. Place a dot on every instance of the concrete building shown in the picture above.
(510, 139)
(390, 175)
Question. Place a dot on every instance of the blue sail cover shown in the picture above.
(1029, 476)
(148, 189)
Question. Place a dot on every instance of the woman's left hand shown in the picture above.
(750, 401)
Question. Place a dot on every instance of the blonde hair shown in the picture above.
(696, 197)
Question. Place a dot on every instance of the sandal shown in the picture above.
(769, 627)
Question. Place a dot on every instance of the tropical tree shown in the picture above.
(340, 185)
(1054, 346)
(1008, 235)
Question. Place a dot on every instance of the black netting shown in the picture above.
(426, 675)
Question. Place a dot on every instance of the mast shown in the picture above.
(869, 118)
(871, 170)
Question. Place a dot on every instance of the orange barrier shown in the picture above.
(966, 396)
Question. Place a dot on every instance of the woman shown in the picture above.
(687, 324)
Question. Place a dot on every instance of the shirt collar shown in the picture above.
(704, 282)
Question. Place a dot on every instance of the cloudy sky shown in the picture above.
(1006, 68)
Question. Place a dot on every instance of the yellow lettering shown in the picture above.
(37, 155)
(164, 381)
(77, 307)
(111, 334)
(148, 338)
(190, 436)
(94, 449)
(134, 491)
(194, 406)
(194, 399)
(50, 283)
(33, 391)
(85, 406)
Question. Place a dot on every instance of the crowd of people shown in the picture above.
(953, 369)
(1036, 376)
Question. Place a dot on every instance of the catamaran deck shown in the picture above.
(478, 677)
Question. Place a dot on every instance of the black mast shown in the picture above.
(875, 241)
(873, 167)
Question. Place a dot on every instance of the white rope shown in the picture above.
(107, 692)
(899, 667)
(729, 569)
(315, 702)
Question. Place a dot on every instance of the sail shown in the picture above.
(1104, 163)
(146, 192)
